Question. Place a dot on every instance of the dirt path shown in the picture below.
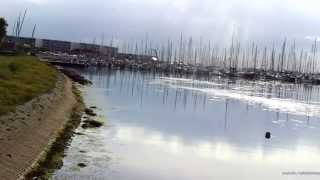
(25, 134)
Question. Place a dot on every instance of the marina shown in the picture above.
(155, 65)
(168, 127)
(160, 90)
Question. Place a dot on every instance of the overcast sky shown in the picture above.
(82, 20)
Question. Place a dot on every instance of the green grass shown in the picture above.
(21, 79)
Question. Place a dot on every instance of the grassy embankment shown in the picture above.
(21, 79)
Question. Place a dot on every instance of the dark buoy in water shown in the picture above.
(268, 135)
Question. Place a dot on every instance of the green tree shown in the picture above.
(3, 29)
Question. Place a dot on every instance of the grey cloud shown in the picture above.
(81, 20)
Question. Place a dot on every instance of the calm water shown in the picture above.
(169, 128)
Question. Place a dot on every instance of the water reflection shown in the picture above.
(180, 128)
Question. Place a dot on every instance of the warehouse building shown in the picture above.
(63, 46)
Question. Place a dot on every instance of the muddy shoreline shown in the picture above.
(33, 135)
(53, 157)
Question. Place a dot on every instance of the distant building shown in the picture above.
(135, 57)
(107, 50)
(21, 40)
(69, 47)
(54, 45)
(86, 48)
